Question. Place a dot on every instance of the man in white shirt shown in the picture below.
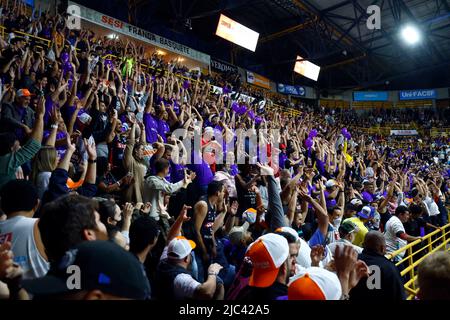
(174, 281)
(20, 202)
(395, 234)
(347, 231)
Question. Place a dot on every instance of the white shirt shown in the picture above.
(431, 206)
(42, 182)
(20, 232)
(342, 243)
(184, 285)
(393, 243)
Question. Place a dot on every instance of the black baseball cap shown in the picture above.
(103, 265)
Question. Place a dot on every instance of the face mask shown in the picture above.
(337, 222)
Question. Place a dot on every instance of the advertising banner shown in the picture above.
(291, 90)
(370, 96)
(140, 34)
(258, 80)
(418, 94)
(404, 133)
(222, 66)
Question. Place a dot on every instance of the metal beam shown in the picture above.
(388, 36)
(355, 23)
(284, 32)
(408, 73)
(342, 63)
(447, 7)
(440, 36)
(338, 16)
(228, 5)
(430, 43)
(336, 6)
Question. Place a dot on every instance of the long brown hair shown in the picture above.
(44, 161)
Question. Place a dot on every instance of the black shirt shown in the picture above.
(271, 293)
(413, 226)
(391, 284)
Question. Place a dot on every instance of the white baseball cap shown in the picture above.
(180, 248)
(356, 202)
(267, 254)
(84, 118)
(330, 183)
(290, 231)
(237, 233)
(209, 131)
(314, 284)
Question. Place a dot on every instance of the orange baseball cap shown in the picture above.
(267, 254)
(314, 284)
(24, 93)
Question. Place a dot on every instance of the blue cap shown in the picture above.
(365, 213)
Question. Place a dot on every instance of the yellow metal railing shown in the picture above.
(434, 241)
(440, 132)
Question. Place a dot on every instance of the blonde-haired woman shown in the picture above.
(44, 163)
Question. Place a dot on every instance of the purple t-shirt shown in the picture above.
(151, 128)
(177, 172)
(367, 196)
(60, 150)
(163, 128)
(202, 170)
(282, 157)
(330, 202)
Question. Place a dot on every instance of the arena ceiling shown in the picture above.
(330, 33)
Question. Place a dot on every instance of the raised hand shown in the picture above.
(232, 209)
(70, 146)
(360, 271)
(183, 213)
(188, 178)
(90, 149)
(317, 255)
(146, 208)
(265, 169)
(128, 210)
(40, 110)
(345, 260)
(304, 196)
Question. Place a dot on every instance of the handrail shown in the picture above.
(430, 245)
(411, 244)
(33, 36)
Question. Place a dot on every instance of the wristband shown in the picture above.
(92, 161)
(118, 183)
(212, 274)
(54, 126)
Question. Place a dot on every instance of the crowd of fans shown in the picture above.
(425, 118)
(95, 178)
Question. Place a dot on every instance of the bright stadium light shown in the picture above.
(410, 34)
